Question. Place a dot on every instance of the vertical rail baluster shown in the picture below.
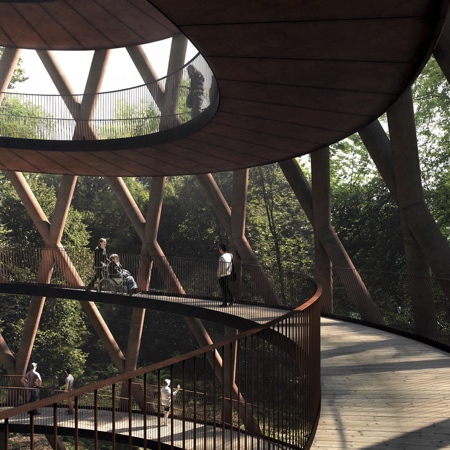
(184, 402)
(76, 423)
(96, 419)
(55, 425)
(145, 410)
(130, 416)
(113, 415)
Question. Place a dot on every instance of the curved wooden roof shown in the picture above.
(81, 24)
(293, 77)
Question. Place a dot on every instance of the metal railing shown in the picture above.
(415, 306)
(184, 278)
(136, 111)
(173, 278)
(259, 389)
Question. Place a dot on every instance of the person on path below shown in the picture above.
(166, 398)
(33, 381)
(68, 387)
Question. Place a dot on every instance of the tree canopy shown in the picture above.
(364, 214)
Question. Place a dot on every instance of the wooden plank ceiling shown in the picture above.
(294, 76)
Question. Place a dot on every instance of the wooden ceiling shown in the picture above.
(81, 24)
(294, 76)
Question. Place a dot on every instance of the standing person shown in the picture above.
(100, 260)
(68, 387)
(166, 398)
(194, 99)
(224, 273)
(33, 381)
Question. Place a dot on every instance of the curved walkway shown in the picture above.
(294, 76)
(179, 434)
(381, 391)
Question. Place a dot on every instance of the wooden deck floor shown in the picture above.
(381, 391)
(249, 311)
(179, 434)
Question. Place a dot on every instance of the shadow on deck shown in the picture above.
(381, 391)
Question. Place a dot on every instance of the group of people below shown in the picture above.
(114, 268)
(33, 381)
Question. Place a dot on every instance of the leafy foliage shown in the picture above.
(432, 102)
(18, 75)
(363, 213)
(278, 229)
(189, 226)
(131, 120)
(22, 119)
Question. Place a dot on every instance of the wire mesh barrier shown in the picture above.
(137, 111)
(410, 304)
(173, 279)
(414, 305)
(258, 389)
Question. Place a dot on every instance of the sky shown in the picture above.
(120, 72)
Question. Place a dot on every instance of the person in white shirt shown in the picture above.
(68, 387)
(224, 274)
(33, 381)
(166, 398)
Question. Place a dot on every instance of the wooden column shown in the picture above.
(51, 234)
(415, 214)
(169, 116)
(240, 243)
(421, 290)
(335, 250)
(8, 63)
(409, 188)
(229, 361)
(320, 168)
(83, 129)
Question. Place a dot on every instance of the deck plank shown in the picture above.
(381, 391)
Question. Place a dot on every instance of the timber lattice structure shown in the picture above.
(292, 78)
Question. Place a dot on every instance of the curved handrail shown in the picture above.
(269, 391)
(132, 112)
(393, 294)
(289, 344)
(175, 277)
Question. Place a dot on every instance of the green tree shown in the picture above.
(364, 213)
(18, 75)
(23, 119)
(18, 226)
(277, 227)
(61, 339)
(131, 120)
(431, 93)
(62, 333)
(103, 215)
(189, 226)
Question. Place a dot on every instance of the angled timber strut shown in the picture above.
(351, 62)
